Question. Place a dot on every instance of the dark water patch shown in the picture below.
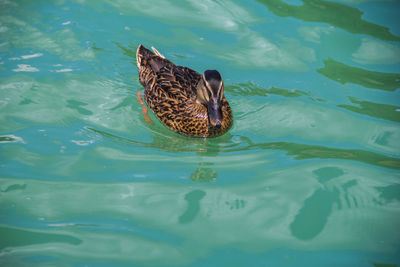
(126, 102)
(292, 257)
(236, 204)
(389, 193)
(384, 265)
(193, 198)
(77, 105)
(11, 237)
(314, 214)
(179, 56)
(7, 139)
(286, 92)
(246, 89)
(312, 217)
(27, 101)
(94, 47)
(343, 74)
(303, 151)
(383, 139)
(252, 89)
(11, 139)
(349, 184)
(327, 12)
(14, 187)
(382, 111)
(129, 51)
(326, 174)
(44, 260)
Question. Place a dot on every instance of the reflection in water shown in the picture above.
(204, 175)
(390, 193)
(11, 237)
(343, 74)
(14, 187)
(11, 139)
(326, 11)
(193, 199)
(376, 264)
(251, 89)
(78, 106)
(328, 173)
(125, 103)
(129, 51)
(383, 111)
(286, 92)
(312, 217)
(303, 151)
(265, 213)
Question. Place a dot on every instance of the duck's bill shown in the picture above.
(215, 114)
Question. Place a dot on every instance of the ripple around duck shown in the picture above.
(299, 151)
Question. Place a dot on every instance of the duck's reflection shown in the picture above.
(204, 175)
(313, 216)
(193, 206)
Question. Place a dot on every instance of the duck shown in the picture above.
(182, 99)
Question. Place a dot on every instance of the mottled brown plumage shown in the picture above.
(182, 99)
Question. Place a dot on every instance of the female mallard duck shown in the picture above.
(182, 99)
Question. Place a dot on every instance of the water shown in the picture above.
(307, 176)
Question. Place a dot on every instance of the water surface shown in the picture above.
(307, 176)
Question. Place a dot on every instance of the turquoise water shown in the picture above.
(307, 176)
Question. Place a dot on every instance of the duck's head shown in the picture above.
(210, 93)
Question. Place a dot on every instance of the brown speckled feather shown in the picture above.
(170, 92)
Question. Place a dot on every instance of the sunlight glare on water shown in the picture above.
(307, 176)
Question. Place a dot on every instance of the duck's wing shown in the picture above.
(177, 81)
